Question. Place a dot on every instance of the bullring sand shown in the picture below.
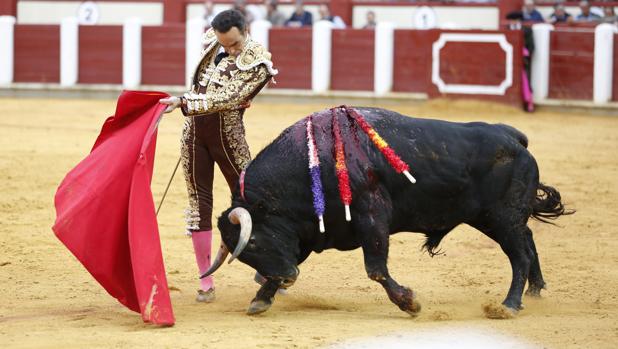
(50, 301)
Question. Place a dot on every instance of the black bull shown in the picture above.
(473, 173)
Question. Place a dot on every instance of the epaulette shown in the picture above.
(209, 40)
(253, 55)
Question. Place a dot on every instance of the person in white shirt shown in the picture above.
(325, 15)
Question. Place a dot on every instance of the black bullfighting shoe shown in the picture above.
(205, 296)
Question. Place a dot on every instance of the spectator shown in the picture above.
(371, 20)
(530, 13)
(300, 17)
(560, 15)
(241, 6)
(586, 15)
(209, 12)
(274, 16)
(515, 19)
(324, 10)
(515, 23)
(609, 16)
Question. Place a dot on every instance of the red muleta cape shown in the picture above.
(105, 213)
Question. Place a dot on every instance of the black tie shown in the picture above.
(220, 56)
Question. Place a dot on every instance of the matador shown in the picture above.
(232, 70)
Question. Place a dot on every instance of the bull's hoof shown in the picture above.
(535, 291)
(258, 307)
(408, 303)
(413, 308)
(499, 311)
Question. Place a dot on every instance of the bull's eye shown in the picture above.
(251, 244)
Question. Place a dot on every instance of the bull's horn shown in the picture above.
(241, 216)
(221, 255)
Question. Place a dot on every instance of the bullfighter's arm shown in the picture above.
(245, 84)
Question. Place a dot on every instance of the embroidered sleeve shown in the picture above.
(243, 85)
(193, 104)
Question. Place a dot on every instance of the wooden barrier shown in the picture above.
(615, 73)
(100, 55)
(412, 60)
(163, 55)
(483, 64)
(352, 60)
(291, 50)
(465, 64)
(571, 64)
(37, 53)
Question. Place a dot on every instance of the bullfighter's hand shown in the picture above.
(171, 102)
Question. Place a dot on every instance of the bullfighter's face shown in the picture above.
(233, 41)
(269, 250)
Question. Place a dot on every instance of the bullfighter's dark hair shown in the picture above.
(227, 19)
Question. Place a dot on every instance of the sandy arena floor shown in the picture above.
(50, 301)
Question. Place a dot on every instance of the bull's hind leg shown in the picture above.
(506, 220)
(535, 277)
(375, 251)
(511, 236)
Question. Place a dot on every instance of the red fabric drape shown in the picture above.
(105, 212)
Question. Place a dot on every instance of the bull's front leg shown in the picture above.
(375, 251)
(264, 297)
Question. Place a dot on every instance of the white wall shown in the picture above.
(480, 17)
(110, 13)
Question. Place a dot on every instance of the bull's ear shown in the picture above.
(224, 223)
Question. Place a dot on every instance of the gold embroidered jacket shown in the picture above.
(231, 83)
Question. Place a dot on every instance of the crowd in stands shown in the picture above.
(529, 13)
(299, 18)
(303, 18)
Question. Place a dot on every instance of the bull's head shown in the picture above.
(257, 243)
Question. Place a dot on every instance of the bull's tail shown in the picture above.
(548, 205)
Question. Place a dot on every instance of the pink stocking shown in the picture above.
(526, 92)
(202, 241)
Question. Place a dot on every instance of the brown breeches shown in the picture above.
(216, 138)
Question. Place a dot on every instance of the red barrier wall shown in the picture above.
(163, 55)
(8, 8)
(352, 62)
(412, 59)
(480, 63)
(100, 54)
(37, 53)
(615, 76)
(466, 63)
(37, 59)
(571, 64)
(291, 50)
